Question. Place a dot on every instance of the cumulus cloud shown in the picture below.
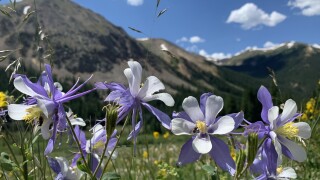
(135, 2)
(192, 40)
(214, 56)
(250, 16)
(196, 39)
(307, 7)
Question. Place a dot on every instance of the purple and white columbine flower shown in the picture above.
(44, 104)
(61, 167)
(268, 168)
(95, 145)
(280, 129)
(202, 123)
(130, 99)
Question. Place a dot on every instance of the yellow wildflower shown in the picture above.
(3, 100)
(145, 154)
(166, 135)
(156, 134)
(304, 117)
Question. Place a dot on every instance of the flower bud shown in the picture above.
(111, 119)
(240, 162)
(252, 148)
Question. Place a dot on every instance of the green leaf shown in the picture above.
(6, 166)
(162, 12)
(136, 30)
(35, 139)
(111, 175)
(209, 169)
(82, 167)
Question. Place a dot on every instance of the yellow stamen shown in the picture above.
(3, 100)
(288, 130)
(201, 125)
(33, 113)
(279, 170)
(98, 145)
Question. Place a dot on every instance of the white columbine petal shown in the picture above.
(277, 146)
(202, 145)
(77, 121)
(304, 130)
(151, 85)
(273, 114)
(45, 128)
(214, 104)
(164, 97)
(288, 172)
(297, 151)
(136, 72)
(181, 126)
(22, 87)
(63, 165)
(128, 73)
(191, 107)
(289, 110)
(47, 106)
(223, 126)
(18, 111)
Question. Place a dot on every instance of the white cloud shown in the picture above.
(249, 16)
(183, 39)
(214, 56)
(307, 7)
(135, 2)
(196, 39)
(192, 40)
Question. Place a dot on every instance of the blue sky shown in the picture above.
(216, 26)
(253, 23)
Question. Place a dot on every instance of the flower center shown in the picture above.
(201, 126)
(288, 130)
(33, 113)
(3, 100)
(279, 170)
(99, 145)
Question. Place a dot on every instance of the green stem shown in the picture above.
(102, 156)
(109, 158)
(79, 147)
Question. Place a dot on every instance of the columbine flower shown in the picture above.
(281, 128)
(95, 145)
(61, 167)
(202, 124)
(45, 104)
(268, 168)
(130, 99)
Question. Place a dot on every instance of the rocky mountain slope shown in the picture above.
(80, 42)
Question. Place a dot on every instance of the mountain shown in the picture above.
(296, 66)
(79, 42)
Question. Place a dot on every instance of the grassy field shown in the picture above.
(155, 158)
